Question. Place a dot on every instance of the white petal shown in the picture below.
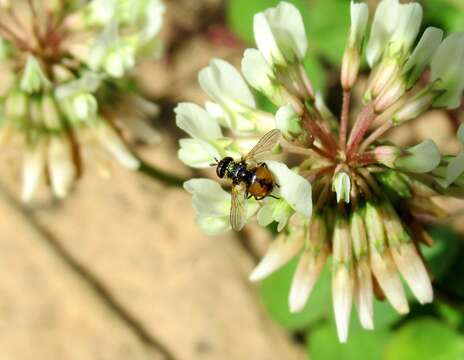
(256, 70)
(281, 251)
(385, 21)
(422, 53)
(447, 65)
(385, 272)
(414, 272)
(112, 142)
(359, 16)
(61, 165)
(197, 153)
(266, 42)
(307, 273)
(407, 27)
(222, 82)
(285, 26)
(295, 189)
(33, 169)
(197, 122)
(455, 169)
(364, 294)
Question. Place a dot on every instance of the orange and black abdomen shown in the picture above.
(262, 183)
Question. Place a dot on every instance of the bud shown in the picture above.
(33, 168)
(405, 255)
(350, 68)
(425, 205)
(341, 185)
(310, 265)
(387, 155)
(414, 107)
(62, 74)
(352, 55)
(50, 113)
(395, 182)
(33, 79)
(61, 164)
(387, 70)
(342, 276)
(16, 105)
(84, 106)
(363, 288)
(382, 264)
(390, 94)
(288, 122)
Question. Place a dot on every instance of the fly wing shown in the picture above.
(264, 146)
(238, 209)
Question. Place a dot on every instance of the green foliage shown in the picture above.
(275, 290)
(323, 344)
(425, 338)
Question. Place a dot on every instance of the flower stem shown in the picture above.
(376, 134)
(326, 139)
(344, 118)
(159, 175)
(364, 121)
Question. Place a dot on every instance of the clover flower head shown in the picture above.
(64, 65)
(353, 199)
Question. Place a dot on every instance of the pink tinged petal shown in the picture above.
(33, 169)
(384, 270)
(310, 266)
(61, 165)
(281, 251)
(342, 278)
(382, 264)
(363, 288)
(414, 272)
(363, 294)
(307, 273)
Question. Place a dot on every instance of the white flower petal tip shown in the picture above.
(385, 272)
(61, 165)
(295, 189)
(33, 170)
(413, 271)
(359, 17)
(342, 297)
(364, 295)
(306, 275)
(281, 251)
(280, 34)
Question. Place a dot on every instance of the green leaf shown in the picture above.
(274, 294)
(442, 254)
(316, 73)
(327, 24)
(425, 338)
(323, 344)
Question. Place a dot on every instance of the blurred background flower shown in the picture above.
(67, 86)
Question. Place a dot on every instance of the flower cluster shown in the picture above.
(353, 196)
(64, 67)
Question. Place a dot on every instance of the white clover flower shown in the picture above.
(338, 198)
